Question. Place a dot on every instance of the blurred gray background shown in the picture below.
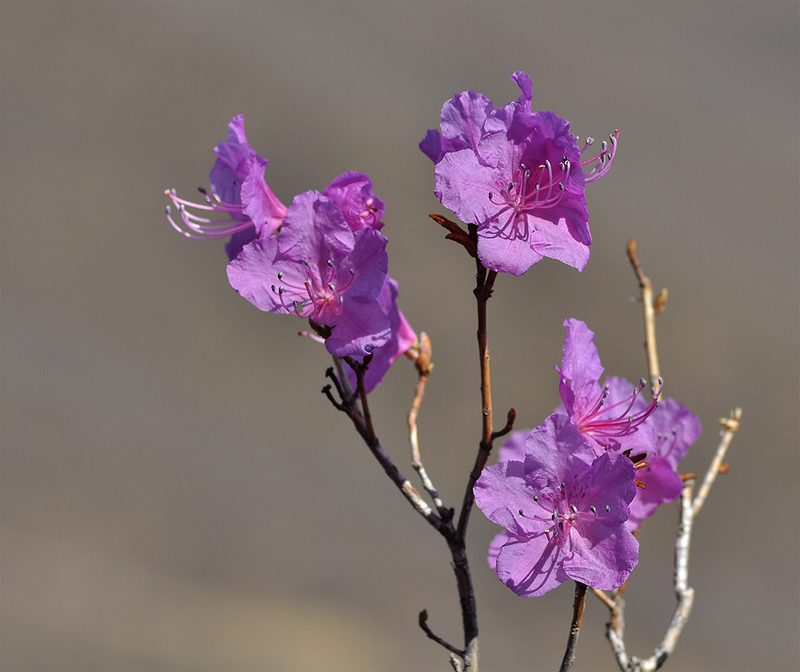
(176, 492)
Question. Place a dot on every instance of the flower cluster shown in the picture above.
(323, 258)
(518, 176)
(571, 492)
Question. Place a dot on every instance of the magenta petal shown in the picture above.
(352, 194)
(259, 203)
(607, 563)
(564, 512)
(506, 254)
(314, 228)
(500, 492)
(530, 566)
(462, 120)
(678, 428)
(662, 485)
(358, 331)
(403, 337)
(251, 273)
(516, 174)
(552, 447)
(580, 368)
(513, 448)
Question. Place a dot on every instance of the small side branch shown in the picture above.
(689, 508)
(465, 660)
(424, 367)
(730, 426)
(362, 421)
(423, 623)
(651, 308)
(457, 234)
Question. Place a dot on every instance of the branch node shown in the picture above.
(423, 623)
(510, 418)
(457, 234)
(661, 301)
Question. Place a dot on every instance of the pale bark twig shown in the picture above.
(646, 288)
(424, 367)
(689, 508)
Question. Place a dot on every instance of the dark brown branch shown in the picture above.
(483, 291)
(365, 429)
(423, 623)
(457, 234)
(575, 628)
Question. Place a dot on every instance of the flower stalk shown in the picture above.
(575, 628)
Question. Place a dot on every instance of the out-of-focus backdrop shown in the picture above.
(176, 492)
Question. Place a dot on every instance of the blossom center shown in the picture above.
(566, 511)
(530, 191)
(607, 423)
(368, 214)
(321, 294)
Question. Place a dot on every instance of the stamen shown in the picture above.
(601, 163)
(203, 228)
(607, 423)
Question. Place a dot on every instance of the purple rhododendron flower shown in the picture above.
(604, 415)
(676, 429)
(616, 418)
(352, 193)
(403, 337)
(517, 175)
(564, 511)
(239, 193)
(317, 267)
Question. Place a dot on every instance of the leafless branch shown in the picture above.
(689, 508)
(575, 628)
(650, 310)
(424, 367)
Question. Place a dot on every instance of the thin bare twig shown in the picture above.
(483, 291)
(575, 628)
(689, 506)
(363, 423)
(646, 288)
(423, 623)
(730, 427)
(424, 367)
